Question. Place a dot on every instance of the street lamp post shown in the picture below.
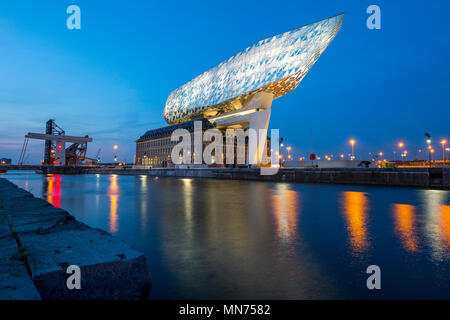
(429, 155)
(427, 135)
(115, 153)
(443, 142)
(352, 142)
(401, 145)
(289, 153)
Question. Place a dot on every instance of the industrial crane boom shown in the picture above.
(61, 138)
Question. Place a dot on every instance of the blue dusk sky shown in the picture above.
(111, 78)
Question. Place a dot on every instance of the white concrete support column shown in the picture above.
(258, 123)
(257, 141)
(256, 113)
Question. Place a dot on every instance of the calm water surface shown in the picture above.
(245, 239)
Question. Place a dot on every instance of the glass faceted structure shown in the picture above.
(275, 65)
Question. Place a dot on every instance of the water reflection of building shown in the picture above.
(225, 235)
(405, 226)
(143, 200)
(52, 188)
(285, 206)
(188, 205)
(355, 206)
(113, 194)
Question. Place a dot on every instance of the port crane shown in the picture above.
(98, 154)
(55, 151)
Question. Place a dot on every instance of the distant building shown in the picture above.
(238, 92)
(5, 161)
(153, 149)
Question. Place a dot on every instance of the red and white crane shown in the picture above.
(55, 152)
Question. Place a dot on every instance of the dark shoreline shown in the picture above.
(40, 241)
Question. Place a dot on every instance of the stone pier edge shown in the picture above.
(407, 177)
(38, 242)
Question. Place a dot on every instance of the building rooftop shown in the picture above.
(166, 131)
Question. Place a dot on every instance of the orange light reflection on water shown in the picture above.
(445, 224)
(285, 206)
(355, 206)
(405, 222)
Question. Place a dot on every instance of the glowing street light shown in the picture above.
(443, 142)
(352, 142)
(289, 152)
(115, 153)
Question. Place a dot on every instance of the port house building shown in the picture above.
(238, 92)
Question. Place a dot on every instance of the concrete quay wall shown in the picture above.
(412, 177)
(39, 242)
(20, 167)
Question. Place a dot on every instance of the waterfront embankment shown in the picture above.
(407, 177)
(39, 242)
